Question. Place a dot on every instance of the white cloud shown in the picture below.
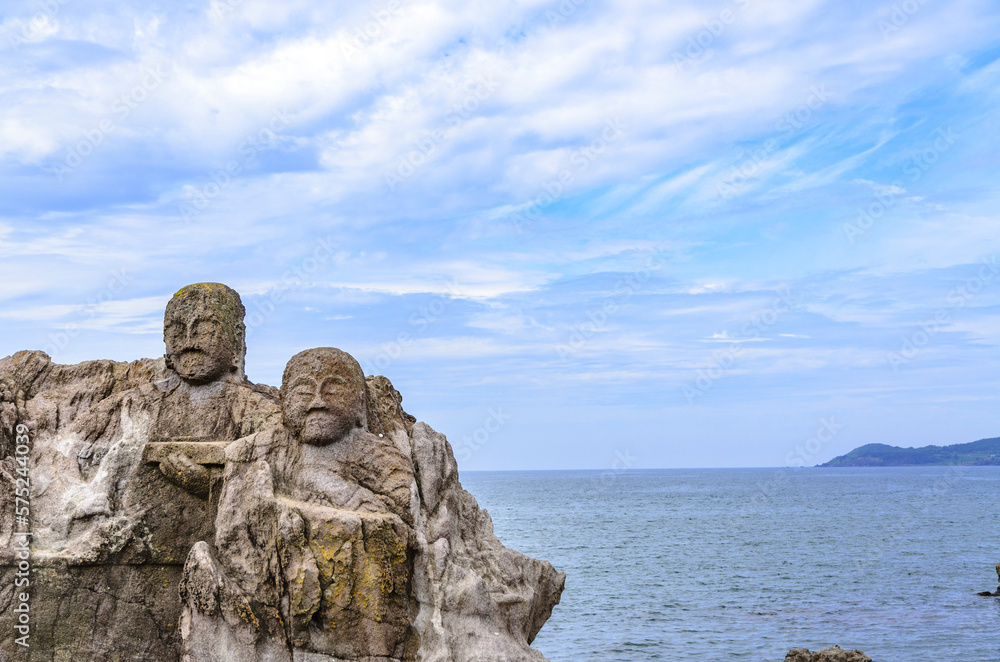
(508, 103)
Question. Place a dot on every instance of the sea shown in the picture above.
(745, 564)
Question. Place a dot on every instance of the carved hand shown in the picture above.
(184, 472)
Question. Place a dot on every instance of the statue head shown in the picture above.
(204, 333)
(323, 395)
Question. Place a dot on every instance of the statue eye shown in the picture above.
(206, 328)
(333, 384)
(303, 392)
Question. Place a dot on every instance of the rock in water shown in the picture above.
(179, 512)
(835, 654)
(992, 594)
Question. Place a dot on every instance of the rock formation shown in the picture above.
(179, 512)
(835, 654)
(991, 594)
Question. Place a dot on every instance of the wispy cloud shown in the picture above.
(741, 156)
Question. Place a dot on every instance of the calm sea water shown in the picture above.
(747, 563)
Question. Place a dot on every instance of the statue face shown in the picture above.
(203, 332)
(198, 348)
(322, 396)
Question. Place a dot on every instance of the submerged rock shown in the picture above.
(180, 512)
(835, 654)
(990, 594)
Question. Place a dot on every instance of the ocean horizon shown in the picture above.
(747, 563)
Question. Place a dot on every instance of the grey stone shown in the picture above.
(835, 654)
(366, 547)
(182, 512)
(204, 333)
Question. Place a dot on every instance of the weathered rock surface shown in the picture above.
(835, 654)
(180, 512)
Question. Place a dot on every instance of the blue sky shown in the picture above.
(573, 234)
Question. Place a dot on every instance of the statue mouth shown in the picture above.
(195, 365)
(324, 426)
(191, 359)
(320, 418)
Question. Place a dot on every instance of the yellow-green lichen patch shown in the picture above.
(245, 613)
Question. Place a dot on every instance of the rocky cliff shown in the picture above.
(173, 510)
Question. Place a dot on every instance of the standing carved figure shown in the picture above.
(123, 462)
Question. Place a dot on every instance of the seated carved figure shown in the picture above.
(338, 463)
(314, 531)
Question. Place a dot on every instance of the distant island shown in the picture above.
(985, 452)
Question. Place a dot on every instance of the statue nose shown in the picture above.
(317, 401)
(189, 334)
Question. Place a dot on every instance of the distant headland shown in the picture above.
(985, 452)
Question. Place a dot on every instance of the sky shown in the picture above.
(574, 234)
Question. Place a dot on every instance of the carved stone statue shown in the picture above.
(318, 522)
(338, 462)
(124, 459)
(327, 502)
(204, 333)
(333, 542)
(206, 348)
(323, 396)
(205, 402)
